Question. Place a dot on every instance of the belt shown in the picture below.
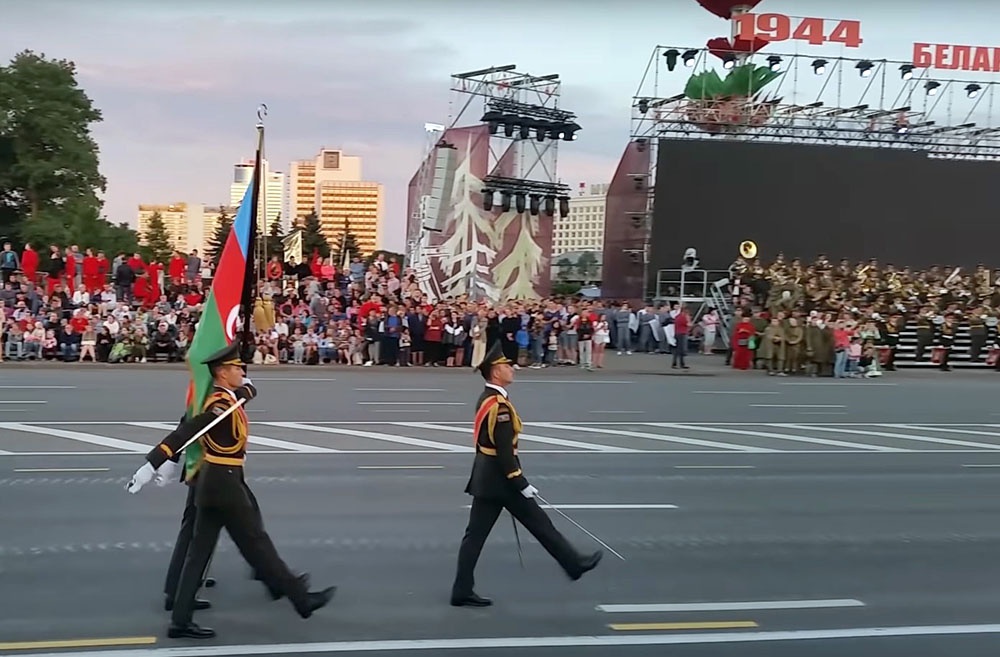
(490, 451)
(224, 460)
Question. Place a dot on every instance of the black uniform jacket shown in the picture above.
(496, 471)
(220, 474)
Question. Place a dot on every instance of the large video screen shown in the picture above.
(899, 206)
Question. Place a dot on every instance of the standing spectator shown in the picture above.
(585, 342)
(602, 337)
(29, 263)
(709, 327)
(623, 319)
(682, 327)
(9, 263)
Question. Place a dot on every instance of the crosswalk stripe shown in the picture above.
(403, 440)
(901, 436)
(114, 443)
(263, 441)
(782, 436)
(654, 436)
(594, 447)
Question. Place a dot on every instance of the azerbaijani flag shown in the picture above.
(220, 317)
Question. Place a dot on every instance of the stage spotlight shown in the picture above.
(563, 206)
(932, 88)
(508, 125)
(519, 203)
(689, 57)
(671, 56)
(906, 71)
(865, 68)
(729, 61)
(487, 199)
(644, 105)
(902, 129)
(819, 66)
(534, 202)
(566, 131)
(973, 90)
(774, 62)
(550, 206)
(493, 119)
(505, 201)
(541, 129)
(525, 130)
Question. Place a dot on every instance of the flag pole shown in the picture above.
(249, 280)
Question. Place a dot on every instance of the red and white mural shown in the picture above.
(481, 253)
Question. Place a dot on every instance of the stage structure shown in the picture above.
(791, 99)
(483, 202)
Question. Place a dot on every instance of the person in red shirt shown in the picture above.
(316, 265)
(103, 271)
(136, 263)
(69, 272)
(29, 263)
(140, 289)
(79, 321)
(178, 263)
(274, 269)
(91, 278)
(193, 297)
(682, 327)
(154, 269)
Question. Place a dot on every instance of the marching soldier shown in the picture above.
(946, 336)
(497, 483)
(223, 499)
(977, 334)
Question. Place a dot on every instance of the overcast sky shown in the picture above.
(179, 81)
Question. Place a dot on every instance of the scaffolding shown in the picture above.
(830, 101)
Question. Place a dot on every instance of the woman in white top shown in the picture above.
(710, 328)
(602, 336)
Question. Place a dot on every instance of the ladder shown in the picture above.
(720, 300)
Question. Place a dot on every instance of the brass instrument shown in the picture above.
(748, 249)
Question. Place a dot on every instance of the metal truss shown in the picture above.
(504, 89)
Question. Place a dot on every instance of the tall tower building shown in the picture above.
(583, 228)
(189, 225)
(331, 185)
(272, 200)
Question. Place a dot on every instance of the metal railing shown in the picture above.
(686, 285)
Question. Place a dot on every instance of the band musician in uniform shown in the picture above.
(223, 499)
(497, 483)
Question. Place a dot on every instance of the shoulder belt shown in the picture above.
(489, 407)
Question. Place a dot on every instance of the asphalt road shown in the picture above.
(886, 547)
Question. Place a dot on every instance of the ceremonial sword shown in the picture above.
(580, 527)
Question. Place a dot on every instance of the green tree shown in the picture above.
(274, 236)
(157, 241)
(48, 157)
(346, 242)
(565, 266)
(217, 242)
(313, 238)
(79, 222)
(586, 266)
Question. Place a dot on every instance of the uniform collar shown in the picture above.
(499, 389)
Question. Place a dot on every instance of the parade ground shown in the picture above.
(754, 516)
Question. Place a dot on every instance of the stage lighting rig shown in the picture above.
(522, 119)
(535, 196)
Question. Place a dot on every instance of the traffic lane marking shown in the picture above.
(755, 605)
(79, 643)
(675, 627)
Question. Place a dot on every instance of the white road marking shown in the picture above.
(730, 606)
(903, 436)
(22, 402)
(37, 387)
(400, 410)
(618, 412)
(585, 383)
(733, 392)
(409, 403)
(652, 436)
(611, 641)
(715, 467)
(61, 469)
(400, 467)
(403, 440)
(982, 465)
(528, 437)
(303, 379)
(601, 507)
(851, 384)
(782, 436)
(968, 432)
(468, 424)
(797, 406)
(114, 443)
(264, 441)
(400, 389)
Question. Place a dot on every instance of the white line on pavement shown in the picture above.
(404, 440)
(509, 643)
(601, 507)
(982, 465)
(37, 387)
(715, 467)
(655, 436)
(530, 438)
(400, 389)
(619, 412)
(782, 436)
(61, 469)
(584, 383)
(733, 392)
(904, 436)
(302, 379)
(850, 384)
(23, 402)
(798, 406)
(409, 403)
(730, 606)
(78, 436)
(254, 440)
(400, 467)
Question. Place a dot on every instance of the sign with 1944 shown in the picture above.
(815, 31)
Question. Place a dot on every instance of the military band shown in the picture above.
(497, 482)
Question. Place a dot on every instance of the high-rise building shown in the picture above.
(272, 201)
(189, 225)
(331, 185)
(583, 228)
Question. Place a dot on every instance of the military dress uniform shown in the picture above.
(223, 499)
(497, 483)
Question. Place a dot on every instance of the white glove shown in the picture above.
(529, 491)
(247, 381)
(167, 473)
(142, 476)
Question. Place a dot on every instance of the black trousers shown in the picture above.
(243, 522)
(484, 515)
